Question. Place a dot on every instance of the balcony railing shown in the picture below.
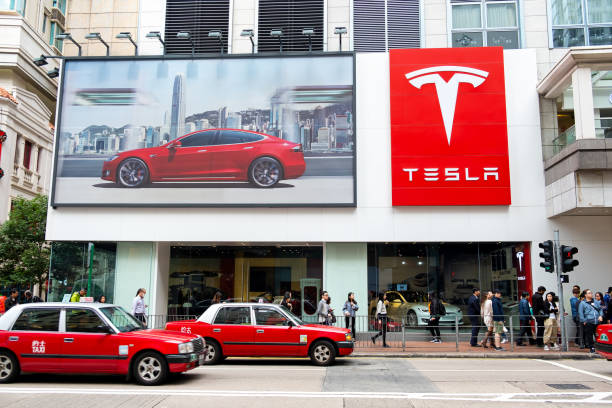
(603, 130)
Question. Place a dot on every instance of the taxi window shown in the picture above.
(233, 315)
(83, 321)
(269, 317)
(38, 320)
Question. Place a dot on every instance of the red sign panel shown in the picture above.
(449, 140)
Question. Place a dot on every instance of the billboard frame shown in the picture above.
(53, 204)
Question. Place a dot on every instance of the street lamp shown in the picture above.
(340, 31)
(309, 32)
(40, 61)
(186, 35)
(249, 33)
(219, 36)
(54, 73)
(157, 34)
(279, 35)
(97, 36)
(67, 36)
(128, 35)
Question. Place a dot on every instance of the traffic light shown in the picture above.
(548, 255)
(567, 258)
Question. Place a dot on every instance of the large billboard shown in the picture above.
(449, 136)
(233, 131)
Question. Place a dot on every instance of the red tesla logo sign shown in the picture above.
(449, 140)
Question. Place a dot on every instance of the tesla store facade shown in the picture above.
(446, 240)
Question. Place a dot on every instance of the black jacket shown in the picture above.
(547, 307)
(538, 305)
(435, 309)
(10, 302)
(473, 307)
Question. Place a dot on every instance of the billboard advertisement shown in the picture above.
(233, 131)
(449, 137)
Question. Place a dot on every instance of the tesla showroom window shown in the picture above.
(233, 315)
(83, 321)
(265, 316)
(199, 139)
(38, 320)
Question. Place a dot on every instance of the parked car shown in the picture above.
(91, 338)
(415, 313)
(209, 155)
(603, 342)
(266, 329)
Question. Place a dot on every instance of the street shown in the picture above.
(355, 382)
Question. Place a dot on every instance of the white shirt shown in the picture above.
(552, 312)
(381, 308)
(138, 305)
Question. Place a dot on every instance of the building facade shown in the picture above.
(184, 256)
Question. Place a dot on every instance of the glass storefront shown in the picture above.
(201, 276)
(408, 272)
(69, 270)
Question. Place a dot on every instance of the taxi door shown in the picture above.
(233, 329)
(36, 340)
(87, 345)
(274, 336)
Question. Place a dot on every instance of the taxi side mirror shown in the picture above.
(104, 329)
(290, 323)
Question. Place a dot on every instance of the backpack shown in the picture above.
(442, 309)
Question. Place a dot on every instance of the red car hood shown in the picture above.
(165, 335)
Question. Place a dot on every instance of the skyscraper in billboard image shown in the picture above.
(209, 132)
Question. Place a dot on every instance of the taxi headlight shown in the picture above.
(348, 336)
(185, 348)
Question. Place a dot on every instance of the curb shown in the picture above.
(497, 355)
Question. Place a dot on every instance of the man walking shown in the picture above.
(524, 319)
(539, 313)
(323, 309)
(139, 307)
(474, 314)
(11, 300)
(498, 319)
(590, 315)
(31, 299)
(574, 302)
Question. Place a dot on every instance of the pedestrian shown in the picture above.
(574, 302)
(381, 318)
(217, 298)
(350, 308)
(76, 296)
(474, 315)
(600, 301)
(139, 307)
(31, 299)
(331, 318)
(551, 326)
(435, 312)
(524, 319)
(590, 316)
(323, 309)
(487, 317)
(102, 299)
(11, 300)
(286, 302)
(540, 314)
(498, 318)
(607, 299)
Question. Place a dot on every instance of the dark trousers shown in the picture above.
(475, 322)
(434, 328)
(579, 329)
(589, 334)
(350, 324)
(141, 317)
(540, 330)
(382, 329)
(525, 331)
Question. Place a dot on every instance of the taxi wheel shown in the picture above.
(9, 367)
(150, 368)
(322, 353)
(214, 355)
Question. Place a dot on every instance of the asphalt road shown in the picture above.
(354, 382)
(315, 166)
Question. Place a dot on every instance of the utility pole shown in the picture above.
(559, 271)
(90, 256)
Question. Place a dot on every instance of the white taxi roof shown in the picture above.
(7, 319)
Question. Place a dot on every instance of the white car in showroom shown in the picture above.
(416, 313)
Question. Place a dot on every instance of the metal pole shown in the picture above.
(456, 333)
(403, 334)
(511, 335)
(90, 255)
(559, 270)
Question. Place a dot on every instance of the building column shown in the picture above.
(19, 153)
(135, 268)
(583, 103)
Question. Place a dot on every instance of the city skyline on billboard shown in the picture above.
(114, 110)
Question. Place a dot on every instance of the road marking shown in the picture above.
(603, 377)
(538, 398)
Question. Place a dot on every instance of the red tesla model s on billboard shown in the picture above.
(210, 155)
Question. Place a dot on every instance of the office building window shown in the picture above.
(15, 5)
(581, 22)
(381, 25)
(485, 23)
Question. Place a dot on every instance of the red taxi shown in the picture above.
(248, 329)
(91, 338)
(603, 343)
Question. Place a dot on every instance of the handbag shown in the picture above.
(332, 317)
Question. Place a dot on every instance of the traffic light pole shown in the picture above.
(559, 270)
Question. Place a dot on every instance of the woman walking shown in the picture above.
(434, 318)
(349, 309)
(381, 318)
(551, 326)
(487, 317)
(287, 302)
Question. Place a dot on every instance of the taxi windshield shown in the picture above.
(121, 319)
(294, 317)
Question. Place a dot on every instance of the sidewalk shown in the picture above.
(426, 349)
